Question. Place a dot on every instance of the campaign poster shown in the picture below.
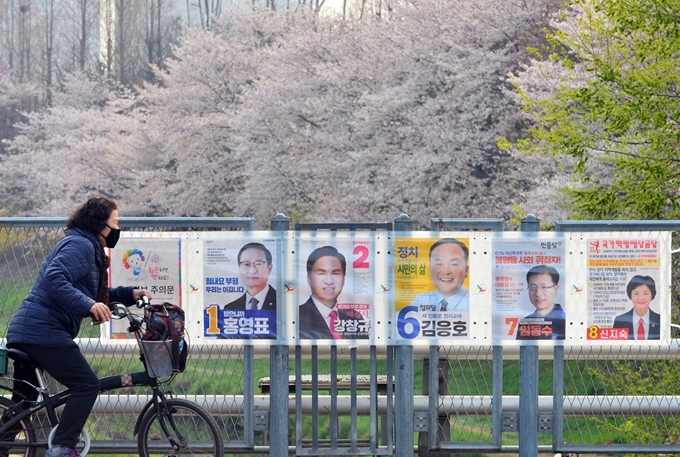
(335, 286)
(528, 289)
(240, 296)
(431, 282)
(623, 286)
(146, 263)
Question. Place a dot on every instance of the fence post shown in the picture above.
(278, 369)
(528, 382)
(404, 404)
(403, 407)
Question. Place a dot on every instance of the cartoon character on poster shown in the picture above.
(133, 259)
(240, 296)
(147, 263)
(432, 281)
(335, 301)
(528, 295)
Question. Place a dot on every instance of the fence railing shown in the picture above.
(395, 399)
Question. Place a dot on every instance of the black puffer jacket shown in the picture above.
(63, 293)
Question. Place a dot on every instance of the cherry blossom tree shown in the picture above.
(315, 116)
(15, 97)
(65, 153)
(387, 116)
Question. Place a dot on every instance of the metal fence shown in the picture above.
(387, 400)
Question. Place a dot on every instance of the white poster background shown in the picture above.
(512, 259)
(612, 263)
(223, 284)
(148, 261)
(182, 253)
(359, 290)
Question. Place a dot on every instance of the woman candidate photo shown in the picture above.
(641, 322)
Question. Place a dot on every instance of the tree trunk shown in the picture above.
(49, 41)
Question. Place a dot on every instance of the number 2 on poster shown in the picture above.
(362, 254)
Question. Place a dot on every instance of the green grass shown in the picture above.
(12, 293)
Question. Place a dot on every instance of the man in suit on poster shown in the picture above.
(319, 316)
(448, 270)
(254, 267)
(548, 321)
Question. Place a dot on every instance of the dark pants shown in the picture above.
(67, 365)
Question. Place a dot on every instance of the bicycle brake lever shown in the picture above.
(135, 324)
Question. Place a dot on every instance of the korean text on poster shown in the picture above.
(335, 287)
(239, 297)
(528, 296)
(147, 263)
(432, 297)
(623, 281)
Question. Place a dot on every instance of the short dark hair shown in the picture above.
(544, 269)
(325, 251)
(92, 215)
(465, 249)
(639, 280)
(259, 246)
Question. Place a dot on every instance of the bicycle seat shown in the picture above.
(20, 356)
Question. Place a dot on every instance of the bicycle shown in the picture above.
(188, 428)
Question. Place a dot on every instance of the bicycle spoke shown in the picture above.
(21, 435)
(194, 430)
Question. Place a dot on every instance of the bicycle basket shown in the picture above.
(157, 357)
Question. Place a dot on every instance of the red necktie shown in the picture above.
(641, 330)
(334, 319)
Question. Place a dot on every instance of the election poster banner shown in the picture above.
(624, 289)
(431, 289)
(239, 288)
(334, 286)
(528, 294)
(146, 263)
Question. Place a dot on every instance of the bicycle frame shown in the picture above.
(50, 403)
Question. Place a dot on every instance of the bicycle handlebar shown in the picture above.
(119, 311)
(142, 302)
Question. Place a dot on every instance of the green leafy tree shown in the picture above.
(603, 99)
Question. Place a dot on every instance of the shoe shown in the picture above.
(62, 451)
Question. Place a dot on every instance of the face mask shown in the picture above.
(112, 237)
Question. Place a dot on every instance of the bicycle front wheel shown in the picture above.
(21, 435)
(190, 426)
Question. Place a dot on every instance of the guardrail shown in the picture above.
(460, 399)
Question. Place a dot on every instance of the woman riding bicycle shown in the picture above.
(72, 284)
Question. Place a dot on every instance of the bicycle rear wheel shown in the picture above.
(23, 433)
(194, 430)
